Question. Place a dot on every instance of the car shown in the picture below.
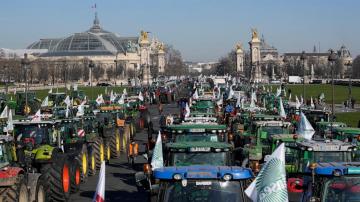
(103, 84)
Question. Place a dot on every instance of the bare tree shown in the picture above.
(98, 72)
(356, 67)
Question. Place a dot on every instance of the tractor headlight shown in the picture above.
(177, 176)
(227, 177)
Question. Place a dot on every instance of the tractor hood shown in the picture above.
(43, 153)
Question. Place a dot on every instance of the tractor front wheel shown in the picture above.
(115, 145)
(82, 159)
(75, 179)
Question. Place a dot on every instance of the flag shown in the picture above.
(253, 100)
(125, 92)
(195, 96)
(112, 96)
(231, 93)
(289, 97)
(4, 113)
(278, 92)
(282, 111)
(187, 109)
(100, 100)
(322, 96)
(157, 160)
(301, 100)
(312, 102)
(45, 102)
(37, 116)
(270, 183)
(75, 87)
(121, 100)
(50, 91)
(238, 101)
(305, 128)
(298, 104)
(10, 124)
(67, 101)
(67, 111)
(15, 91)
(141, 97)
(100, 187)
(80, 111)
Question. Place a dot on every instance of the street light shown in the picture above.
(302, 58)
(25, 62)
(332, 58)
(91, 66)
(349, 65)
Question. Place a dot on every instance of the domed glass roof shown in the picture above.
(95, 41)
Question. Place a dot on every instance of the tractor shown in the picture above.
(39, 150)
(56, 99)
(33, 104)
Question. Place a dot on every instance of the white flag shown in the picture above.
(81, 109)
(298, 104)
(100, 187)
(67, 111)
(141, 97)
(45, 102)
(289, 97)
(231, 93)
(253, 100)
(4, 113)
(10, 124)
(187, 109)
(238, 101)
(270, 183)
(75, 87)
(312, 102)
(125, 92)
(37, 116)
(112, 96)
(122, 99)
(157, 160)
(305, 128)
(282, 110)
(100, 100)
(67, 101)
(278, 92)
(301, 100)
(50, 91)
(195, 96)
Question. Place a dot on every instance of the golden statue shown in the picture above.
(254, 34)
(161, 47)
(144, 36)
(238, 46)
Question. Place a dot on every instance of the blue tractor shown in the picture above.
(200, 183)
(333, 181)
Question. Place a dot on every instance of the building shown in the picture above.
(106, 49)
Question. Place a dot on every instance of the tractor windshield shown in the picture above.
(342, 189)
(200, 158)
(34, 134)
(199, 137)
(4, 161)
(201, 190)
(328, 156)
(272, 130)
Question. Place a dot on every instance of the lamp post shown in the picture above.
(332, 58)
(25, 62)
(302, 58)
(91, 66)
(349, 65)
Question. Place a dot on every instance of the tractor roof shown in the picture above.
(205, 146)
(200, 119)
(328, 123)
(203, 172)
(285, 137)
(337, 168)
(29, 122)
(348, 130)
(325, 145)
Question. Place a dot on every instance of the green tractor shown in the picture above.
(348, 134)
(33, 104)
(56, 99)
(39, 150)
(78, 96)
(106, 128)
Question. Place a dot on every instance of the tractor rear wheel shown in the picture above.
(115, 144)
(107, 152)
(17, 192)
(92, 162)
(57, 174)
(75, 179)
(99, 151)
(82, 159)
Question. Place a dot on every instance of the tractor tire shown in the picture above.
(40, 194)
(75, 176)
(57, 175)
(107, 152)
(92, 162)
(127, 136)
(83, 160)
(115, 144)
(16, 193)
(99, 151)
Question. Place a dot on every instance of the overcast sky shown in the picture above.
(203, 30)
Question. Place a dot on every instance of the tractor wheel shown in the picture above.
(82, 159)
(57, 175)
(127, 135)
(17, 192)
(115, 145)
(92, 162)
(40, 194)
(98, 148)
(107, 152)
(75, 176)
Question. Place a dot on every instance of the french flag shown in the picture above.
(100, 188)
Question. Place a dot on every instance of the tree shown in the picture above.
(227, 64)
(356, 68)
(43, 73)
(97, 72)
(110, 73)
(174, 65)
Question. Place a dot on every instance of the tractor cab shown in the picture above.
(324, 127)
(33, 103)
(195, 132)
(7, 155)
(56, 99)
(77, 95)
(333, 181)
(201, 183)
(106, 123)
(316, 115)
(70, 132)
(198, 153)
(348, 134)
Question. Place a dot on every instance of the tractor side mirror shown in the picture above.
(142, 180)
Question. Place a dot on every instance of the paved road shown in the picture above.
(120, 181)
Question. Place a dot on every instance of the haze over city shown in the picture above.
(201, 30)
